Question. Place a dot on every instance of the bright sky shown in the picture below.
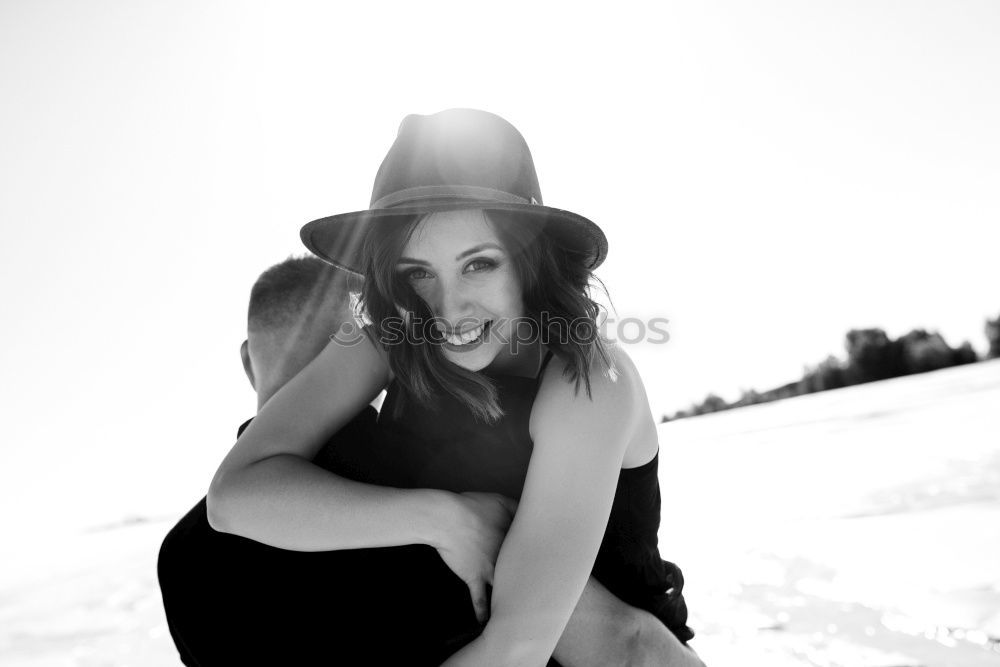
(768, 174)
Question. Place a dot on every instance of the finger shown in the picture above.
(502, 499)
(504, 521)
(509, 503)
(480, 603)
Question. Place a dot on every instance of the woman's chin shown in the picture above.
(473, 360)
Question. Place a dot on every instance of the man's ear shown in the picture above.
(247, 366)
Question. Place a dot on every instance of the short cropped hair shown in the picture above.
(295, 288)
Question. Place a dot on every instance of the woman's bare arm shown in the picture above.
(547, 557)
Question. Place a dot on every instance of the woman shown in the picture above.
(498, 383)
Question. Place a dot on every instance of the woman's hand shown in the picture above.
(471, 545)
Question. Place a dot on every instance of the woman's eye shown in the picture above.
(416, 274)
(480, 265)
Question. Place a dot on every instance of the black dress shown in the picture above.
(448, 448)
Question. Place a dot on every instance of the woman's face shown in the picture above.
(456, 263)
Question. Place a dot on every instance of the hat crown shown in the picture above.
(459, 159)
(457, 153)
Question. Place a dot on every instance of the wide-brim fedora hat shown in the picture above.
(456, 159)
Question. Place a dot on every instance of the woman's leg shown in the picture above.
(603, 631)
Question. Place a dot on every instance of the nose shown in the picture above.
(452, 303)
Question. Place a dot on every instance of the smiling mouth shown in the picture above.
(469, 337)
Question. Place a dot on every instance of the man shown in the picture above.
(226, 597)
(234, 601)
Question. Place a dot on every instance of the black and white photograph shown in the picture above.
(523, 334)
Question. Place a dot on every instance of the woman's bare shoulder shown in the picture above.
(615, 390)
(618, 373)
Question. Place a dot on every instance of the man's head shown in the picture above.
(295, 307)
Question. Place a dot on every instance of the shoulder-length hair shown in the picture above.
(555, 284)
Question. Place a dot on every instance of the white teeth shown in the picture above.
(467, 337)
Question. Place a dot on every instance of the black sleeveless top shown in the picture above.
(448, 448)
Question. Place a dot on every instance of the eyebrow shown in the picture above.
(465, 253)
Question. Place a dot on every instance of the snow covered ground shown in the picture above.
(854, 527)
(858, 527)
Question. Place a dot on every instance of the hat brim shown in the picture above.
(337, 239)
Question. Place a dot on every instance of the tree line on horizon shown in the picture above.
(871, 356)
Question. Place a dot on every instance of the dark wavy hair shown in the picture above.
(555, 283)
